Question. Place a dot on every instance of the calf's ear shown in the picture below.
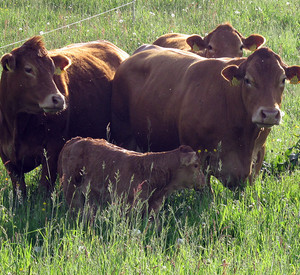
(196, 42)
(253, 42)
(230, 73)
(187, 155)
(8, 62)
(293, 74)
(61, 63)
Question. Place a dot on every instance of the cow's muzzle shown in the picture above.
(53, 103)
(267, 117)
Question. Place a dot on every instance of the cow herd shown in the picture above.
(195, 103)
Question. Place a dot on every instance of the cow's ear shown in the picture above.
(8, 62)
(253, 42)
(293, 74)
(230, 73)
(196, 42)
(61, 63)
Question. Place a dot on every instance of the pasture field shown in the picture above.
(256, 231)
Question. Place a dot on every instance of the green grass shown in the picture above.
(252, 232)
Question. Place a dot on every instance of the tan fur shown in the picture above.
(164, 98)
(223, 41)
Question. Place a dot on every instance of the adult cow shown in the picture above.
(223, 107)
(223, 41)
(87, 166)
(35, 84)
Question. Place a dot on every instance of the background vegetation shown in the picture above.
(251, 232)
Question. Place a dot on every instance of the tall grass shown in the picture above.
(251, 232)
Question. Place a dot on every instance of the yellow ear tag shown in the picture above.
(294, 80)
(253, 48)
(57, 71)
(196, 48)
(235, 82)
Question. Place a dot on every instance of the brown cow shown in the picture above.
(223, 107)
(34, 85)
(223, 41)
(87, 166)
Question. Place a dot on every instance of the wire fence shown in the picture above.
(77, 22)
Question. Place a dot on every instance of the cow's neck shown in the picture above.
(155, 165)
(7, 122)
(8, 111)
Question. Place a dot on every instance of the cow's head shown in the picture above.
(262, 79)
(224, 41)
(27, 83)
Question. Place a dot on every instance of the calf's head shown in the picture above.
(27, 83)
(262, 79)
(188, 174)
(224, 41)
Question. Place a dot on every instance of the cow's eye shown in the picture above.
(283, 81)
(242, 47)
(28, 69)
(209, 47)
(247, 81)
(196, 165)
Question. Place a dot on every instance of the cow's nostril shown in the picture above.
(263, 115)
(54, 100)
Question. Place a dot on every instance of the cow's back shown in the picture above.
(173, 40)
(89, 86)
(149, 89)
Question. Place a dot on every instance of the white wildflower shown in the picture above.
(136, 232)
(180, 241)
(37, 249)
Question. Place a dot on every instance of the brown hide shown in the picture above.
(87, 166)
(222, 107)
(223, 41)
(35, 84)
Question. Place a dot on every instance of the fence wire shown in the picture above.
(74, 23)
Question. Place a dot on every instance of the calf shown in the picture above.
(223, 41)
(87, 166)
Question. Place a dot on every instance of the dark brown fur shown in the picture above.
(34, 80)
